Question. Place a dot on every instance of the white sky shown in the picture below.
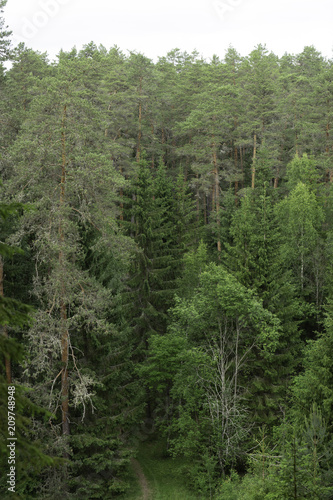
(154, 28)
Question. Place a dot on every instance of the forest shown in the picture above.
(166, 272)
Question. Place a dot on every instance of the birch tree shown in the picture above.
(217, 331)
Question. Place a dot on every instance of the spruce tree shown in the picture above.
(154, 269)
(254, 257)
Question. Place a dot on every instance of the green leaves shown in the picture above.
(166, 354)
(302, 170)
(206, 357)
(300, 217)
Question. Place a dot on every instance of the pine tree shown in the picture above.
(258, 94)
(23, 84)
(5, 33)
(232, 75)
(208, 122)
(62, 168)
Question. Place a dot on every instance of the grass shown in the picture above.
(134, 491)
(163, 474)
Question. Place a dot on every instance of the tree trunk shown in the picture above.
(294, 468)
(327, 149)
(236, 168)
(138, 150)
(216, 192)
(254, 160)
(63, 308)
(217, 204)
(3, 328)
(198, 200)
(121, 204)
(242, 165)
(276, 179)
(64, 375)
(121, 196)
(296, 141)
(153, 153)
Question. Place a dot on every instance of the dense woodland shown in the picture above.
(166, 269)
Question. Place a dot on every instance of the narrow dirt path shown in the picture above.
(146, 491)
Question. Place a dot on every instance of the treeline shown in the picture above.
(170, 226)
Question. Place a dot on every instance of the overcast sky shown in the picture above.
(156, 27)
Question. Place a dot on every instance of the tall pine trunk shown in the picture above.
(254, 161)
(216, 195)
(63, 308)
(138, 150)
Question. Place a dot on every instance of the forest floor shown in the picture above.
(143, 482)
(156, 476)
